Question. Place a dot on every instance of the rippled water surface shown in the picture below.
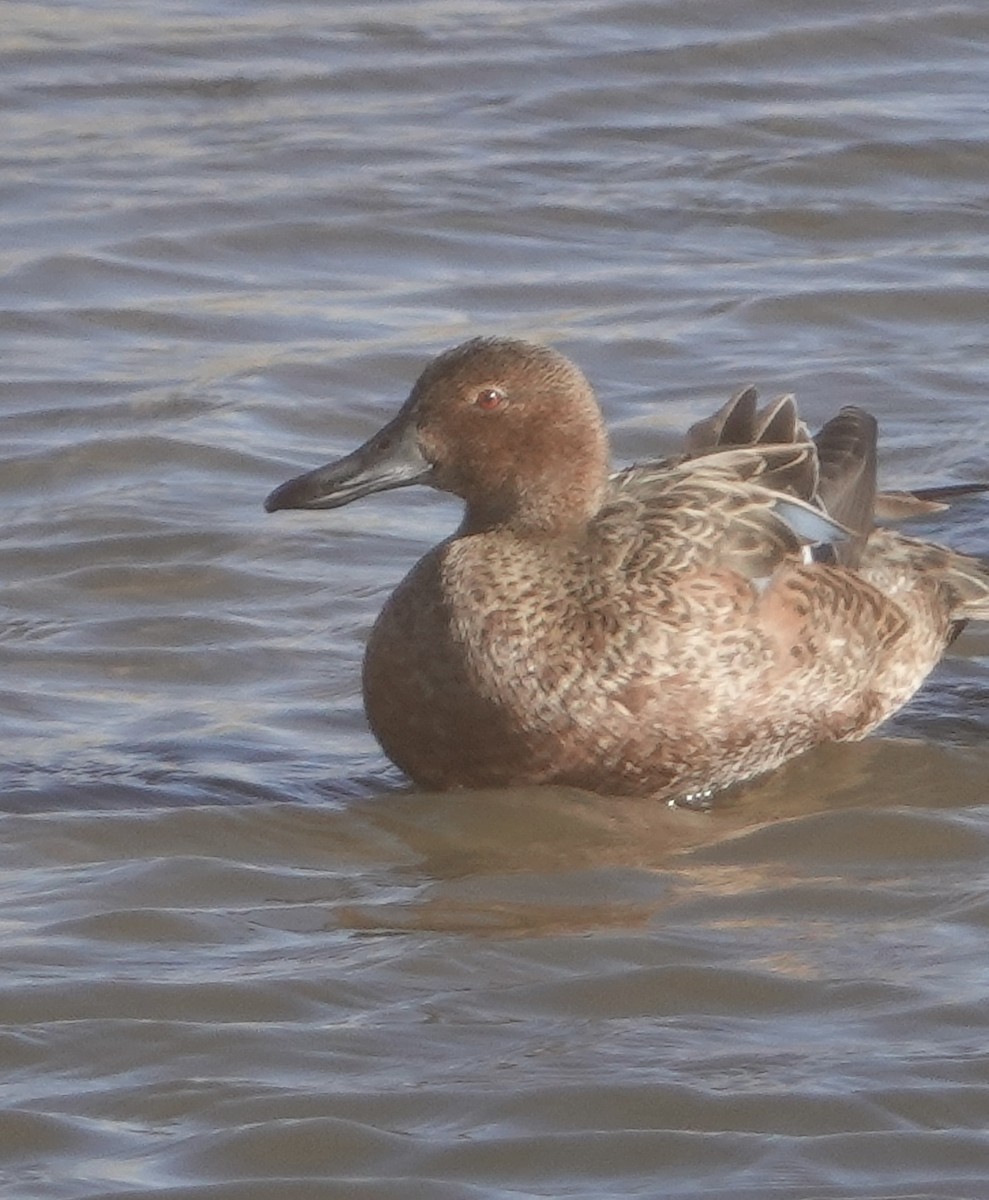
(240, 958)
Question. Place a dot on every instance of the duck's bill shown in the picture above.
(391, 459)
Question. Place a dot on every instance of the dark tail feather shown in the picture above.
(741, 423)
(729, 426)
(920, 502)
(948, 492)
(846, 452)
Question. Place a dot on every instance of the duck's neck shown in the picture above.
(543, 508)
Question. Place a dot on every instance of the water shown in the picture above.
(240, 957)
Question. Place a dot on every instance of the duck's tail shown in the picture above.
(960, 580)
(967, 578)
(964, 577)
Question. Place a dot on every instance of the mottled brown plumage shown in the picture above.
(670, 629)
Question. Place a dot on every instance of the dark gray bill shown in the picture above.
(391, 459)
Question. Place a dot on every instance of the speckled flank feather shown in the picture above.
(675, 627)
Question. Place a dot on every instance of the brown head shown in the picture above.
(511, 427)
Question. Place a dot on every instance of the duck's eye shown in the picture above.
(488, 399)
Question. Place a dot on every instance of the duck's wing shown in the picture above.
(838, 476)
(747, 508)
(845, 484)
(753, 488)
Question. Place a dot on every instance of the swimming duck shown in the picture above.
(664, 631)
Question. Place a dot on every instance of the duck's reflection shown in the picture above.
(528, 860)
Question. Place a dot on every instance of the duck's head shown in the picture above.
(510, 426)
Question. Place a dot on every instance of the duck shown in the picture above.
(666, 630)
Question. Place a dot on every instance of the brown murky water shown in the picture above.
(239, 958)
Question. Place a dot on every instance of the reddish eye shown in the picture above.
(489, 399)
